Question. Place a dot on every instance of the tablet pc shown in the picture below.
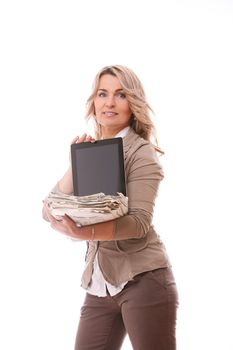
(98, 167)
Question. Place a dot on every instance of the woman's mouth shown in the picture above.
(110, 114)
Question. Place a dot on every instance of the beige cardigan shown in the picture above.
(136, 246)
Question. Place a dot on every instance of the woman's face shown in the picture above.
(112, 109)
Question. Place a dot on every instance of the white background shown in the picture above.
(182, 52)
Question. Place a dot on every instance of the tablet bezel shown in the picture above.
(118, 142)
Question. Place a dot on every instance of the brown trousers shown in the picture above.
(145, 309)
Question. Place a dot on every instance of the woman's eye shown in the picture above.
(101, 94)
(121, 95)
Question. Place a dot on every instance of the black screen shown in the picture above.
(98, 167)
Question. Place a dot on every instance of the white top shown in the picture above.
(99, 285)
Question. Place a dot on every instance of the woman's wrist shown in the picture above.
(98, 232)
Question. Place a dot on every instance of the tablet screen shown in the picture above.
(98, 167)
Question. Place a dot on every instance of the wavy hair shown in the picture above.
(141, 120)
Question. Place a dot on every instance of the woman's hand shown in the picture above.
(65, 225)
(103, 231)
(83, 138)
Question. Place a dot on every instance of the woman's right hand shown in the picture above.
(83, 138)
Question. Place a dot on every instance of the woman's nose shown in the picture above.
(110, 102)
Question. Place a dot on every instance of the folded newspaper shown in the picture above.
(87, 210)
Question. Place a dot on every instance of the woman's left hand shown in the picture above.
(65, 225)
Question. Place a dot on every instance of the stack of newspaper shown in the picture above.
(87, 210)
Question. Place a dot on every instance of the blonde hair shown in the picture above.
(141, 120)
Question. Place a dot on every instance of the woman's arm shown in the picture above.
(142, 186)
(65, 185)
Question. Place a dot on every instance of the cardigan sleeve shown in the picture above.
(145, 174)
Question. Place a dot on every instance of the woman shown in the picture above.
(128, 277)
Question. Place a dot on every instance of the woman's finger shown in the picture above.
(89, 138)
(75, 140)
(78, 139)
(83, 138)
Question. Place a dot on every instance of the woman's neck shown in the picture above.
(111, 133)
(108, 134)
